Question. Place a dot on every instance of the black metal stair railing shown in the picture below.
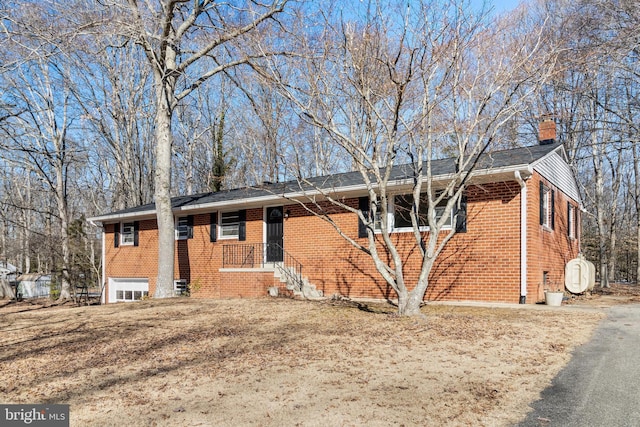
(242, 256)
(260, 255)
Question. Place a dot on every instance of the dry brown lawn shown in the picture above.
(274, 362)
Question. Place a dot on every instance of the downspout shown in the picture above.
(523, 237)
(103, 296)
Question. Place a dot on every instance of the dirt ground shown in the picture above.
(273, 362)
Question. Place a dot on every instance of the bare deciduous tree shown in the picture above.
(176, 36)
(595, 102)
(203, 144)
(113, 92)
(407, 85)
(44, 145)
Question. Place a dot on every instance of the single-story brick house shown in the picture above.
(521, 227)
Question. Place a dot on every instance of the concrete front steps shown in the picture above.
(300, 288)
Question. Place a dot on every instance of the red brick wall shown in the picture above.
(481, 264)
(484, 263)
(197, 260)
(247, 284)
(133, 261)
(548, 250)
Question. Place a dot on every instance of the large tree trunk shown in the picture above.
(636, 189)
(616, 177)
(26, 244)
(197, 29)
(164, 214)
(638, 247)
(611, 266)
(600, 209)
(65, 280)
(5, 289)
(409, 304)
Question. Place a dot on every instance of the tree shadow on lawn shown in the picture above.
(69, 334)
(26, 305)
(93, 360)
(385, 308)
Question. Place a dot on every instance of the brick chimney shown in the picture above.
(547, 133)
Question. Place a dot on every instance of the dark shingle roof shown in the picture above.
(488, 161)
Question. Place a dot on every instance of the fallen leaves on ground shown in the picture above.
(284, 362)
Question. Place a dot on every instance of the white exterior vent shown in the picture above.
(180, 287)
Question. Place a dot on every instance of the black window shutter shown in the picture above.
(242, 226)
(213, 227)
(136, 227)
(553, 209)
(363, 205)
(116, 235)
(541, 203)
(190, 227)
(460, 214)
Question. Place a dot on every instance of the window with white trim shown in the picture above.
(127, 289)
(229, 225)
(130, 295)
(571, 220)
(546, 207)
(184, 228)
(399, 213)
(127, 233)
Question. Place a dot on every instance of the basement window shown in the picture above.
(130, 295)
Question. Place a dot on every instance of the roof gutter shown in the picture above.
(523, 237)
(300, 195)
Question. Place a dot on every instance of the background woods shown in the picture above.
(255, 92)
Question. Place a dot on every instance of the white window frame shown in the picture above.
(546, 207)
(136, 289)
(571, 221)
(126, 295)
(182, 228)
(127, 237)
(391, 216)
(224, 229)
